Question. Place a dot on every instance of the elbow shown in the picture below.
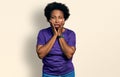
(40, 52)
(69, 56)
(40, 56)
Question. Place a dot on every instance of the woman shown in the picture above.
(56, 44)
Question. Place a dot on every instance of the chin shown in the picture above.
(57, 27)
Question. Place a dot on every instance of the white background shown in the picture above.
(97, 26)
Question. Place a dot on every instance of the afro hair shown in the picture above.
(53, 6)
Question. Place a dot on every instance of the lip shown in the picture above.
(57, 25)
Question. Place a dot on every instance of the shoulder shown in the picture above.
(69, 31)
(44, 30)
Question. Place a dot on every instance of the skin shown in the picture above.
(57, 22)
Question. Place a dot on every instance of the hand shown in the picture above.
(60, 30)
(57, 32)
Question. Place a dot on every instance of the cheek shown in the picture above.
(62, 21)
(51, 21)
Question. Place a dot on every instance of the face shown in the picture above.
(57, 19)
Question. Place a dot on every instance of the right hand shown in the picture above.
(55, 31)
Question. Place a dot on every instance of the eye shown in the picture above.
(60, 17)
(52, 17)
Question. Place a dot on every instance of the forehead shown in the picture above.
(57, 12)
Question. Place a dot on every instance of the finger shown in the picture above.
(60, 29)
(51, 23)
(62, 23)
(53, 28)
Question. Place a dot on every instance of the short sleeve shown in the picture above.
(40, 38)
(72, 39)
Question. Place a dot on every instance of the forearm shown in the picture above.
(45, 49)
(68, 50)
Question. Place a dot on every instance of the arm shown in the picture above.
(68, 50)
(43, 50)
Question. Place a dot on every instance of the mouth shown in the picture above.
(56, 25)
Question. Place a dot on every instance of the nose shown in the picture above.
(56, 20)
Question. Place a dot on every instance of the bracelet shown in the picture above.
(61, 36)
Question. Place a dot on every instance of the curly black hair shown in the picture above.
(53, 6)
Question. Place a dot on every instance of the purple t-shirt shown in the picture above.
(55, 62)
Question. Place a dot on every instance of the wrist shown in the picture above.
(55, 36)
(60, 36)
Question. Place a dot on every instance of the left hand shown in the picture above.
(60, 30)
